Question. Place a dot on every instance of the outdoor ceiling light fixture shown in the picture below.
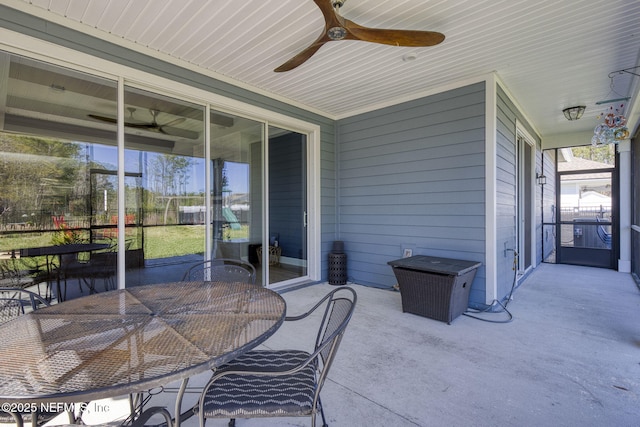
(574, 113)
(541, 179)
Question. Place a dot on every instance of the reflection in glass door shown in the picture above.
(236, 187)
(164, 186)
(269, 232)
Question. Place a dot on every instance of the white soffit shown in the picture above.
(550, 55)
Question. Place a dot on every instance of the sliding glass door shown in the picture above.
(177, 183)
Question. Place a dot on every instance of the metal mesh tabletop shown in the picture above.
(126, 341)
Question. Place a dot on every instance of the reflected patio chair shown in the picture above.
(280, 383)
(221, 270)
(15, 302)
(71, 268)
(10, 274)
(100, 266)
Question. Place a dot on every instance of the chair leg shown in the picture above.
(232, 422)
(324, 421)
(17, 418)
(147, 414)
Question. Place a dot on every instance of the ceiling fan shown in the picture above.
(153, 125)
(338, 28)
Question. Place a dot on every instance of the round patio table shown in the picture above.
(129, 341)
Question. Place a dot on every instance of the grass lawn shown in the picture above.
(173, 240)
(159, 242)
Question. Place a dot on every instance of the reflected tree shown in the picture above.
(170, 174)
(37, 176)
(168, 180)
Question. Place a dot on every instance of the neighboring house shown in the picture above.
(590, 190)
(451, 174)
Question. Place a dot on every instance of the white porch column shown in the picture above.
(624, 262)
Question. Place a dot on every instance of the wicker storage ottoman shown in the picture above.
(433, 287)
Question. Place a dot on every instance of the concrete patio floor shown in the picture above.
(570, 357)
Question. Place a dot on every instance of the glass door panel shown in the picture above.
(287, 255)
(164, 186)
(236, 188)
(50, 143)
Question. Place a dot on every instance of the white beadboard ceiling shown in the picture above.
(549, 54)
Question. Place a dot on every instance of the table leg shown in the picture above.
(179, 416)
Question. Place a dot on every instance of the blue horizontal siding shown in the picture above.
(413, 176)
(506, 188)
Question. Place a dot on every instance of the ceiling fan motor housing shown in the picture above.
(337, 33)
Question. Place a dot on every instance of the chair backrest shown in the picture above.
(222, 270)
(340, 304)
(106, 259)
(15, 302)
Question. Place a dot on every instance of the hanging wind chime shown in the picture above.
(612, 129)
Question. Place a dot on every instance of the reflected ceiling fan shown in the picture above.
(153, 125)
(338, 28)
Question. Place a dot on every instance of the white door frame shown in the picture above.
(524, 140)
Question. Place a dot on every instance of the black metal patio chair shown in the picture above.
(222, 270)
(280, 383)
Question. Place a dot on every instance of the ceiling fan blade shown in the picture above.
(178, 132)
(115, 121)
(141, 125)
(103, 118)
(410, 38)
(154, 126)
(174, 122)
(301, 57)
